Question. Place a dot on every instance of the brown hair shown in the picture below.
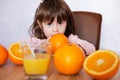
(48, 10)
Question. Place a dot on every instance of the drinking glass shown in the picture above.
(36, 61)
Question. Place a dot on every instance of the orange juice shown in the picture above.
(37, 65)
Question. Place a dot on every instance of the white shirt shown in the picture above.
(85, 45)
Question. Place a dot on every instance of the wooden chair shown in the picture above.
(88, 26)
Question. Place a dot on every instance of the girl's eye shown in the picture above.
(60, 22)
(48, 23)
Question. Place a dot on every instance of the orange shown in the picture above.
(102, 64)
(3, 55)
(16, 53)
(68, 59)
(119, 60)
(57, 40)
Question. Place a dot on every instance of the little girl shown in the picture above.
(55, 16)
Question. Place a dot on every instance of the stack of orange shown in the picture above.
(102, 64)
(68, 57)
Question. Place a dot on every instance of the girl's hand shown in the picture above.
(48, 38)
(87, 47)
(73, 38)
(35, 42)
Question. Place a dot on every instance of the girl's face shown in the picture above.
(54, 27)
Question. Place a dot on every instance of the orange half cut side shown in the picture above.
(15, 53)
(102, 64)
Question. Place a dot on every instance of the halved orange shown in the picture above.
(16, 53)
(102, 64)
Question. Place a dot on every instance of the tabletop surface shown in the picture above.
(10, 71)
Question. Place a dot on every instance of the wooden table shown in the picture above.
(10, 71)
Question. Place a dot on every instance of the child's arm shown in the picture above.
(35, 42)
(87, 47)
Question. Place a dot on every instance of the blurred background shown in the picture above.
(16, 16)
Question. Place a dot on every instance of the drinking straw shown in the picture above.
(31, 49)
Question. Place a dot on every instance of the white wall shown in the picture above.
(16, 17)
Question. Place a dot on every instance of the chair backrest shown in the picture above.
(88, 26)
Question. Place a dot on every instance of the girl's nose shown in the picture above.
(55, 28)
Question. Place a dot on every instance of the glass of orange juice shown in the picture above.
(36, 66)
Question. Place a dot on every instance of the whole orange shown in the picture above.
(57, 40)
(3, 55)
(68, 58)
